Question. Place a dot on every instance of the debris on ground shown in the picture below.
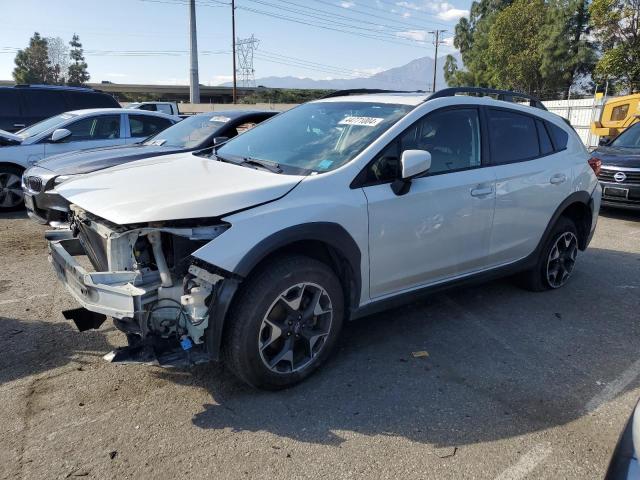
(446, 452)
(420, 354)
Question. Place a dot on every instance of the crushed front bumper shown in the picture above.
(115, 294)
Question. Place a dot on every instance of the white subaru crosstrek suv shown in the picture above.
(257, 252)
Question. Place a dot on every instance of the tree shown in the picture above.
(78, 74)
(514, 57)
(58, 58)
(32, 63)
(616, 27)
(472, 39)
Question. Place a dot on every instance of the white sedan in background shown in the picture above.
(76, 130)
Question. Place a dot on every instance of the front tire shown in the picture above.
(11, 196)
(557, 259)
(284, 323)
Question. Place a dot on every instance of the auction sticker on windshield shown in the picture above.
(220, 119)
(362, 121)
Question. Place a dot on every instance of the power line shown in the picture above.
(329, 16)
(400, 22)
(326, 27)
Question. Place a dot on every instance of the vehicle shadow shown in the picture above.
(620, 214)
(16, 215)
(30, 347)
(501, 362)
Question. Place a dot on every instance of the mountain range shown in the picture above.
(415, 75)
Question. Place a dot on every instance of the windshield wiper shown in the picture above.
(266, 164)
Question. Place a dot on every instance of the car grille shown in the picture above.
(33, 183)
(607, 175)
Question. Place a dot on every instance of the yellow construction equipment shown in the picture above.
(618, 113)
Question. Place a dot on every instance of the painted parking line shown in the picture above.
(526, 463)
(612, 389)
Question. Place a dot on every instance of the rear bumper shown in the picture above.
(110, 293)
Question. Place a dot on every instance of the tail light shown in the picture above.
(596, 164)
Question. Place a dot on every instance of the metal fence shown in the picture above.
(580, 113)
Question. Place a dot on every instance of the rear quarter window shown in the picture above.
(84, 100)
(546, 146)
(559, 136)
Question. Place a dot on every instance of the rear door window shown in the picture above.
(143, 126)
(513, 137)
(44, 103)
(103, 127)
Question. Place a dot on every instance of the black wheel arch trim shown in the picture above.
(329, 233)
(581, 197)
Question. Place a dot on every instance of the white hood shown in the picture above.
(173, 187)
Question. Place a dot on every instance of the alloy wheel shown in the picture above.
(10, 190)
(562, 259)
(295, 328)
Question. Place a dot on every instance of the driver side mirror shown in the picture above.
(59, 134)
(219, 140)
(413, 163)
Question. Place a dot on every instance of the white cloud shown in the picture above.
(442, 10)
(448, 42)
(347, 4)
(415, 35)
(116, 75)
(452, 14)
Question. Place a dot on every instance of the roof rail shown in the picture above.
(51, 87)
(365, 91)
(505, 95)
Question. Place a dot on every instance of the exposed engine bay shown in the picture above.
(146, 279)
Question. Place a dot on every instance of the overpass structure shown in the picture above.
(176, 93)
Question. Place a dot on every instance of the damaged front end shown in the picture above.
(144, 277)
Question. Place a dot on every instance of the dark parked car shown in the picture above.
(194, 133)
(24, 105)
(619, 173)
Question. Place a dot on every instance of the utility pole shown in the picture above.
(436, 41)
(194, 84)
(233, 34)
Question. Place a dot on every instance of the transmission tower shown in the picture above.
(245, 48)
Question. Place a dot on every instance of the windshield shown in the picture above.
(188, 133)
(316, 136)
(630, 138)
(44, 125)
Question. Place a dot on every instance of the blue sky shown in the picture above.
(157, 30)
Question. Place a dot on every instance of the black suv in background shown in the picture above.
(24, 105)
(619, 172)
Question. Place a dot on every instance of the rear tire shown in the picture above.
(557, 259)
(11, 196)
(284, 323)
